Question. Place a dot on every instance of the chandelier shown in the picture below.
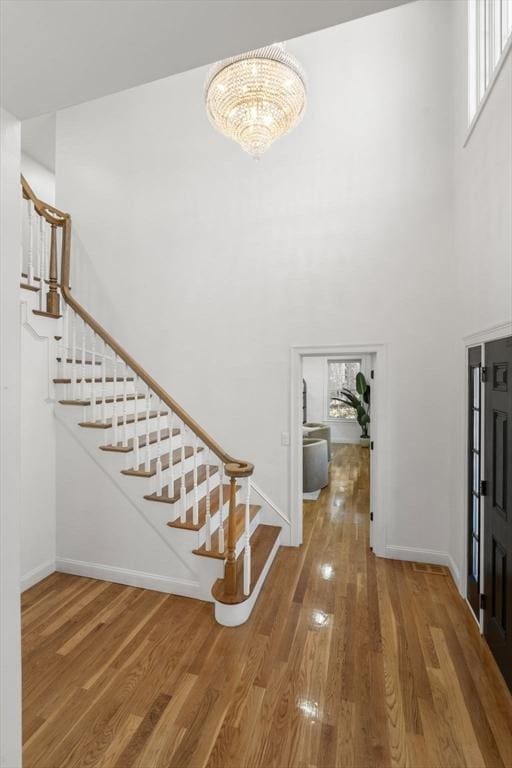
(256, 97)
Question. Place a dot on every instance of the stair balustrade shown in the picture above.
(118, 396)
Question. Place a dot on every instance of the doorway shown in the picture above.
(370, 358)
(497, 604)
(489, 494)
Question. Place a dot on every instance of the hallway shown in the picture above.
(346, 661)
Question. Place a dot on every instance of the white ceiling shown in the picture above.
(56, 53)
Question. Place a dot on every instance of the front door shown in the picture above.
(498, 503)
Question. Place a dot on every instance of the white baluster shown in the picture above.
(104, 385)
(84, 373)
(147, 461)
(93, 377)
(183, 489)
(46, 265)
(171, 458)
(30, 268)
(64, 342)
(41, 256)
(125, 407)
(73, 358)
(158, 451)
(114, 403)
(195, 509)
(221, 505)
(247, 546)
(136, 458)
(208, 522)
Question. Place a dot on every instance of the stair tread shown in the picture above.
(153, 438)
(42, 313)
(262, 543)
(176, 458)
(189, 525)
(118, 399)
(108, 379)
(29, 287)
(189, 485)
(108, 423)
(78, 362)
(239, 530)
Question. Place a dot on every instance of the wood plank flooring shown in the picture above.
(347, 660)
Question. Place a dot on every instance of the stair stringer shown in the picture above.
(169, 564)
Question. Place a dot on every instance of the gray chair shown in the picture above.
(315, 465)
(322, 431)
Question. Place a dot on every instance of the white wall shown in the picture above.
(314, 371)
(38, 474)
(40, 178)
(482, 238)
(10, 639)
(209, 266)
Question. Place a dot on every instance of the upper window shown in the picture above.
(341, 374)
(489, 38)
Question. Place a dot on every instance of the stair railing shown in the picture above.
(44, 270)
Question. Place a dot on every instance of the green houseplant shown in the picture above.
(360, 402)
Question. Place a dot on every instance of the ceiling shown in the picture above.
(56, 53)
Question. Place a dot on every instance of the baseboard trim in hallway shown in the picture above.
(419, 555)
(153, 581)
(37, 574)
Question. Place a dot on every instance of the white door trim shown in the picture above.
(478, 339)
(378, 431)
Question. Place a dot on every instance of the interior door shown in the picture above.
(498, 503)
(474, 473)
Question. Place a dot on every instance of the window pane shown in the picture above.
(476, 430)
(476, 387)
(474, 563)
(506, 21)
(341, 375)
(489, 30)
(476, 472)
(476, 515)
(339, 411)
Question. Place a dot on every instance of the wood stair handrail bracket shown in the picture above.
(234, 468)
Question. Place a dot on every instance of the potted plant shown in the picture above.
(360, 402)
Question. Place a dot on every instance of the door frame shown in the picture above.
(480, 338)
(379, 434)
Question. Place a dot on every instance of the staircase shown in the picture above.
(159, 457)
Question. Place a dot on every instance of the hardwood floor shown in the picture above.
(347, 660)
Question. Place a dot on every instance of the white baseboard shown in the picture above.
(418, 555)
(154, 581)
(37, 574)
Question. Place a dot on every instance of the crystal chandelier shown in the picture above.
(256, 97)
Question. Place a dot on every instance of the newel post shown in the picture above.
(52, 297)
(234, 471)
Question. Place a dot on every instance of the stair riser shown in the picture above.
(111, 435)
(65, 370)
(153, 451)
(149, 484)
(65, 391)
(175, 509)
(87, 412)
(215, 524)
(110, 409)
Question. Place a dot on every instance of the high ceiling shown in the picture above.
(56, 53)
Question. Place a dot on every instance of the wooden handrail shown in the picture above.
(234, 467)
(49, 212)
